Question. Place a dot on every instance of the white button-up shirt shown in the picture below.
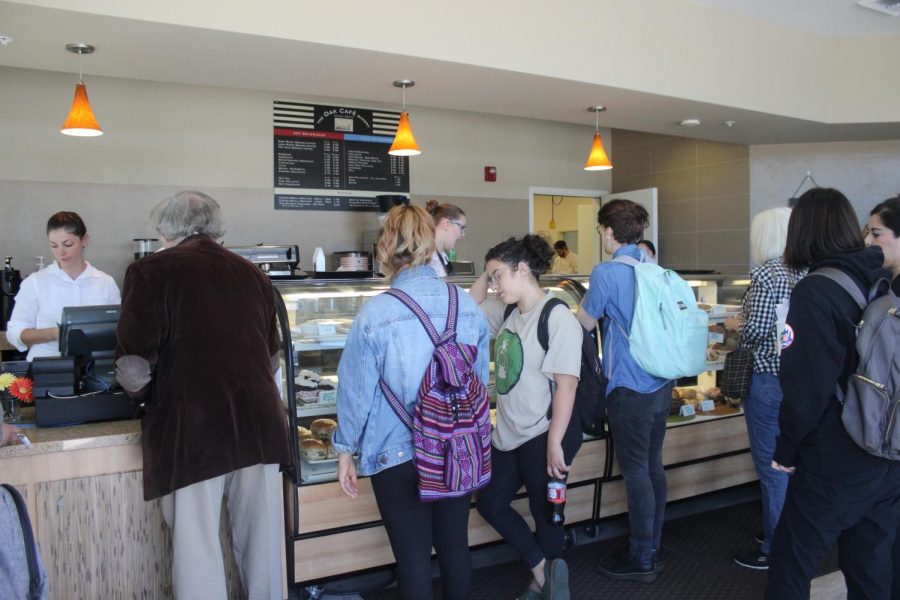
(43, 295)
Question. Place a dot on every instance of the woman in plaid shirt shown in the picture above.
(770, 286)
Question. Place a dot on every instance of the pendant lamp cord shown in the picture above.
(404, 98)
(806, 178)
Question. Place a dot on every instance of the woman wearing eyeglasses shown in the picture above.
(532, 441)
(449, 226)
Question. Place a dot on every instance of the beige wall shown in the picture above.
(703, 196)
(866, 172)
(161, 138)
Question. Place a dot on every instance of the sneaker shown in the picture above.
(659, 562)
(759, 537)
(753, 559)
(556, 580)
(621, 566)
(530, 594)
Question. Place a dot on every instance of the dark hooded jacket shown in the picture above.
(818, 353)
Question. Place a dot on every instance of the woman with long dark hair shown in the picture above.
(837, 491)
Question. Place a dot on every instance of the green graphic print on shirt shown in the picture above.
(508, 359)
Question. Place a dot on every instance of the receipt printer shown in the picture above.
(53, 376)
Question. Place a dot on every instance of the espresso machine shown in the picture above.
(278, 262)
(9, 287)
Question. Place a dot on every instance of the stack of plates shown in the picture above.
(354, 263)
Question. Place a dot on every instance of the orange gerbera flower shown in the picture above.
(21, 388)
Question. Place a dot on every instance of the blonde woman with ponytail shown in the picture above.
(387, 341)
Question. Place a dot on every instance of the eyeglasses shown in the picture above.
(494, 278)
(462, 226)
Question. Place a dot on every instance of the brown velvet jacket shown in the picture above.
(204, 320)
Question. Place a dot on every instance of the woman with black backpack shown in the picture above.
(533, 440)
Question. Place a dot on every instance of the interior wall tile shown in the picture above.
(724, 247)
(632, 160)
(632, 182)
(678, 248)
(622, 138)
(678, 217)
(730, 212)
(674, 153)
(716, 152)
(675, 185)
(723, 179)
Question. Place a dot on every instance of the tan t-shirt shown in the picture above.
(523, 373)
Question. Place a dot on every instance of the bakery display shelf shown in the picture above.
(313, 344)
(316, 409)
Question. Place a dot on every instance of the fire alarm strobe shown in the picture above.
(490, 173)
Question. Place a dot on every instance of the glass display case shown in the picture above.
(316, 317)
(330, 534)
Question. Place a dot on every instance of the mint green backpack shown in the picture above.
(669, 334)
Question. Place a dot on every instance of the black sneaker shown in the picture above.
(753, 559)
(621, 566)
(659, 562)
(758, 537)
(556, 580)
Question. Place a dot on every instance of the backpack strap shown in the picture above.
(627, 260)
(849, 285)
(452, 312)
(34, 574)
(846, 282)
(543, 328)
(436, 339)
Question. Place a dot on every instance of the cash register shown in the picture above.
(80, 384)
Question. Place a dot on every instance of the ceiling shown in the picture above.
(825, 17)
(154, 51)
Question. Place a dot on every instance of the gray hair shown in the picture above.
(187, 213)
(768, 234)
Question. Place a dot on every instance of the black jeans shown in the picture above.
(638, 426)
(857, 507)
(413, 527)
(526, 465)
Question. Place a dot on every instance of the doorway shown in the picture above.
(568, 215)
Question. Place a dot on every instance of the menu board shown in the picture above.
(335, 157)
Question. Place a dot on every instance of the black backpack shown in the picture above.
(590, 396)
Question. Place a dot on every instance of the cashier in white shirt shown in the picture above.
(69, 281)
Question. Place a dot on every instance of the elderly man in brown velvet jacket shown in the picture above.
(197, 345)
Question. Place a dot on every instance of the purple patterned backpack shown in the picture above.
(451, 425)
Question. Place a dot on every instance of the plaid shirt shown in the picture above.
(770, 284)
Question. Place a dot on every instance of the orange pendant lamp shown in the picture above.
(81, 121)
(597, 159)
(404, 141)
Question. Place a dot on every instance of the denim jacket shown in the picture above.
(387, 340)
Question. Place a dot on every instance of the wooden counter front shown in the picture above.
(701, 456)
(97, 536)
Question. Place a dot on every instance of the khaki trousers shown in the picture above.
(193, 514)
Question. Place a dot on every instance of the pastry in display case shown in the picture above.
(331, 534)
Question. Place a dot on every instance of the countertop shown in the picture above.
(45, 440)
